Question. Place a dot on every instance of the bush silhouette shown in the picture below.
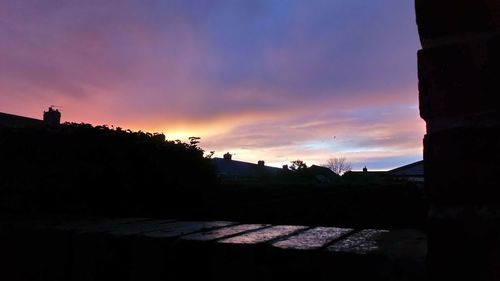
(81, 168)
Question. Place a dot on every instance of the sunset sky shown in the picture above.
(273, 80)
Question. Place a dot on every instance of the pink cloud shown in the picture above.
(266, 79)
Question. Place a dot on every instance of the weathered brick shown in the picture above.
(494, 7)
(462, 165)
(459, 97)
(452, 18)
(478, 219)
(461, 249)
(459, 79)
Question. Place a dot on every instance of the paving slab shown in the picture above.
(140, 227)
(186, 227)
(385, 254)
(263, 235)
(153, 249)
(107, 225)
(363, 242)
(223, 232)
(87, 224)
(161, 256)
(393, 243)
(312, 239)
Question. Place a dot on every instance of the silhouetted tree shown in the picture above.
(298, 165)
(210, 154)
(194, 141)
(338, 165)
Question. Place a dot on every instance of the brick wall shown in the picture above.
(459, 90)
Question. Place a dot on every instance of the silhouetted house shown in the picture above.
(366, 175)
(10, 120)
(411, 172)
(52, 117)
(233, 171)
(322, 174)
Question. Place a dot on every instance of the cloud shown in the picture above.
(279, 77)
(361, 134)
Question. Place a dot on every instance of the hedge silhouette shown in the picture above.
(84, 169)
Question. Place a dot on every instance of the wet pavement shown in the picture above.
(170, 249)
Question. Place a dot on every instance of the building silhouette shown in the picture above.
(51, 118)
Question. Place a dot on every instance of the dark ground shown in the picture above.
(78, 169)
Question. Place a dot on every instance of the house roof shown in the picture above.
(322, 170)
(10, 120)
(413, 169)
(366, 173)
(228, 167)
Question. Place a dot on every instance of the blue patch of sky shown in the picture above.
(386, 163)
(346, 146)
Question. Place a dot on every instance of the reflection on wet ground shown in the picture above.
(263, 235)
(223, 232)
(153, 246)
(313, 238)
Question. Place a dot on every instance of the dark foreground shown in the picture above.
(164, 249)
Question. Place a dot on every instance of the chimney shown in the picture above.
(261, 163)
(52, 117)
(227, 156)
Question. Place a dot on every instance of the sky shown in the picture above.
(272, 80)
